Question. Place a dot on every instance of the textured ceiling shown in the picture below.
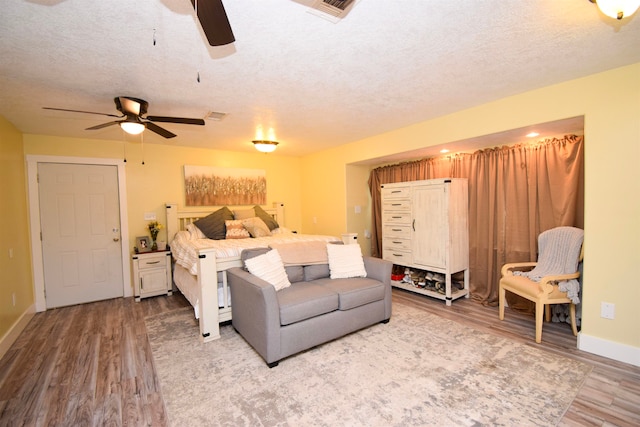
(316, 83)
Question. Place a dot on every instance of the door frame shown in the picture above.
(33, 191)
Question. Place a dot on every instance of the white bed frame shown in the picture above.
(208, 267)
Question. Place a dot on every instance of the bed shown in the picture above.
(200, 264)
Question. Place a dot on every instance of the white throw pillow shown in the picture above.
(345, 261)
(269, 268)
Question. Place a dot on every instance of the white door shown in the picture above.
(80, 224)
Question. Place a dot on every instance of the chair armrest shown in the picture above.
(507, 269)
(255, 312)
(378, 269)
(547, 283)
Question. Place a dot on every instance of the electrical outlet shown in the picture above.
(607, 310)
(13, 298)
(315, 220)
(10, 253)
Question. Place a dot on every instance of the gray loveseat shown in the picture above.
(315, 309)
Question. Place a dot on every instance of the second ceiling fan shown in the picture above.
(133, 110)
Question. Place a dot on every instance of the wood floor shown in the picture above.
(91, 365)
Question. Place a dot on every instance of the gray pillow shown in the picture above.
(213, 225)
(316, 271)
(268, 219)
(295, 273)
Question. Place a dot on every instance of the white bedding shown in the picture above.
(188, 285)
(185, 249)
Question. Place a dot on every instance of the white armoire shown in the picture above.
(425, 226)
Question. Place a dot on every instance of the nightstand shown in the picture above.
(152, 274)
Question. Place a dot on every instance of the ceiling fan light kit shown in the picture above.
(617, 9)
(265, 146)
(132, 127)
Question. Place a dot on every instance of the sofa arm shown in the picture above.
(255, 312)
(380, 270)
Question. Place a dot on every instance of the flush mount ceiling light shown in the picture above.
(265, 146)
(132, 126)
(617, 9)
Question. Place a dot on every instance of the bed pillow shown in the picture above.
(256, 227)
(244, 214)
(269, 268)
(268, 219)
(213, 225)
(235, 229)
(345, 261)
(195, 232)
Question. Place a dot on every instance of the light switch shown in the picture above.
(149, 216)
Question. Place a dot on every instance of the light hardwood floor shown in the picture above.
(91, 365)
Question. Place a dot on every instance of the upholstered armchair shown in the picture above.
(550, 280)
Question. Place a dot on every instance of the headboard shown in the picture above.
(179, 219)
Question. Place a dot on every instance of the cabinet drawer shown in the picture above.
(396, 205)
(397, 257)
(396, 218)
(396, 244)
(152, 261)
(401, 231)
(394, 192)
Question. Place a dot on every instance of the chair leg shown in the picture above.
(572, 313)
(501, 299)
(539, 316)
(547, 313)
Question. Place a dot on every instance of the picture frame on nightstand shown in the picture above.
(143, 244)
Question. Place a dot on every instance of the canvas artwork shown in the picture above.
(213, 186)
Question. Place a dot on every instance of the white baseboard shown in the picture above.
(12, 334)
(612, 350)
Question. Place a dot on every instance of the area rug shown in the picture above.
(419, 369)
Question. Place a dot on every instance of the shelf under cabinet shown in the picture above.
(455, 294)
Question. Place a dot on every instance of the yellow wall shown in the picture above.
(15, 256)
(610, 102)
(160, 179)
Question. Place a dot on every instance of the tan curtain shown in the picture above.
(515, 193)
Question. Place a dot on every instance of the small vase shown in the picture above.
(154, 246)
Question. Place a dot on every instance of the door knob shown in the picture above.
(116, 239)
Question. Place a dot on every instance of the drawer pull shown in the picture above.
(396, 191)
(152, 262)
(396, 204)
(396, 217)
(398, 255)
(396, 229)
(397, 243)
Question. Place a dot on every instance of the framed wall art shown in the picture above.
(213, 186)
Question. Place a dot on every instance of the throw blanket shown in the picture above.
(558, 253)
(302, 253)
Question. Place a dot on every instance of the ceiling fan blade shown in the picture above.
(182, 120)
(160, 131)
(214, 21)
(103, 125)
(81, 111)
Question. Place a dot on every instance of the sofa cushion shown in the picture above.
(269, 268)
(355, 291)
(295, 273)
(345, 261)
(303, 300)
(313, 272)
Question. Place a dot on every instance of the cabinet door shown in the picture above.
(430, 226)
(153, 280)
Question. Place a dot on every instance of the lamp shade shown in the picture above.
(265, 146)
(132, 127)
(618, 9)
